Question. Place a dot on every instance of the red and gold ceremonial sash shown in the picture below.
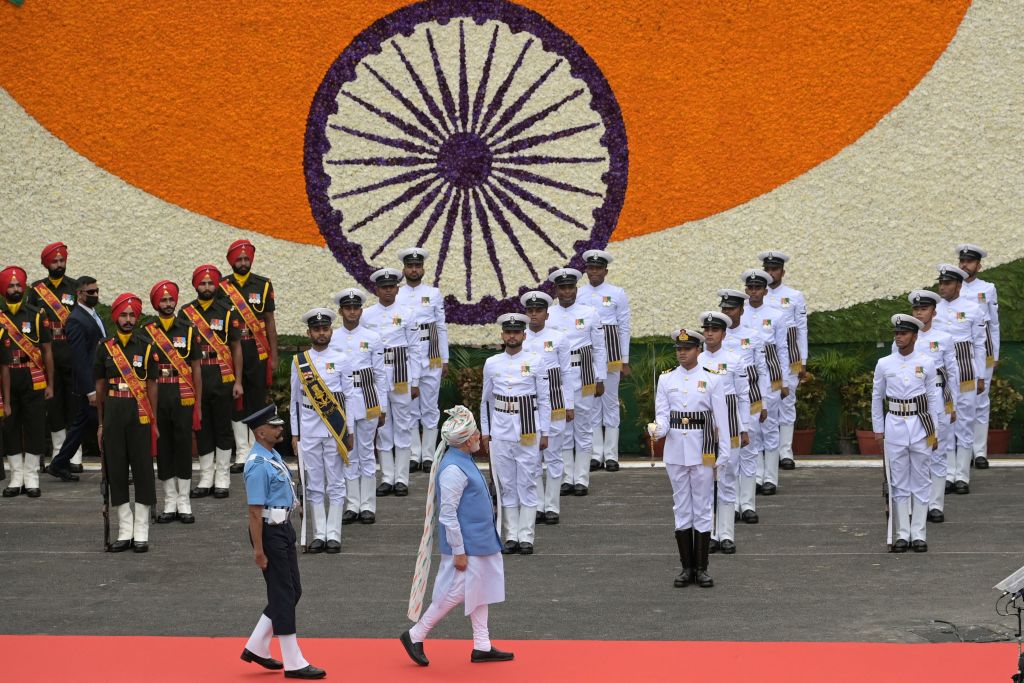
(53, 302)
(135, 386)
(252, 322)
(33, 352)
(186, 385)
(2, 393)
(220, 347)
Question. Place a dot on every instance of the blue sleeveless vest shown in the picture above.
(475, 513)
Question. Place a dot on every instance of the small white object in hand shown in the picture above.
(652, 427)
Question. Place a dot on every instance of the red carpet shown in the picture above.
(109, 659)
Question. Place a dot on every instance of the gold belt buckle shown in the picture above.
(122, 386)
(686, 420)
(164, 372)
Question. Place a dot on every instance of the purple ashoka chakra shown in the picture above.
(477, 130)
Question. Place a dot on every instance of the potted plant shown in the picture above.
(646, 365)
(856, 415)
(1004, 400)
(808, 404)
(836, 370)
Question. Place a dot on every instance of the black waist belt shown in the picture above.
(611, 343)
(907, 407)
(703, 420)
(526, 407)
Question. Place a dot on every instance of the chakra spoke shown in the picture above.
(428, 99)
(544, 180)
(405, 197)
(435, 216)
(467, 243)
(506, 227)
(463, 80)
(536, 159)
(410, 217)
(499, 94)
(446, 236)
(517, 106)
(397, 143)
(485, 230)
(400, 179)
(481, 90)
(420, 115)
(528, 196)
(442, 82)
(531, 120)
(518, 212)
(526, 143)
(383, 161)
(404, 126)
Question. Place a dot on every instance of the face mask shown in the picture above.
(91, 300)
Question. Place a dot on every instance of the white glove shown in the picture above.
(652, 427)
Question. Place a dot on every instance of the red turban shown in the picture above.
(204, 271)
(13, 274)
(124, 302)
(161, 288)
(52, 251)
(241, 248)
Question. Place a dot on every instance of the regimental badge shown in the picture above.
(919, 372)
(396, 321)
(766, 323)
(178, 342)
(702, 386)
(933, 346)
(580, 323)
(424, 300)
(549, 345)
(26, 327)
(981, 297)
(745, 343)
(255, 298)
(961, 316)
(364, 346)
(137, 361)
(217, 324)
(785, 302)
(68, 300)
(606, 301)
(524, 370)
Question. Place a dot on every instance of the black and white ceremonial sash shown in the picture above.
(363, 380)
(771, 357)
(732, 400)
(756, 400)
(917, 405)
(704, 420)
(583, 358)
(796, 363)
(947, 394)
(964, 353)
(526, 407)
(398, 358)
(428, 333)
(990, 353)
(555, 390)
(328, 405)
(611, 343)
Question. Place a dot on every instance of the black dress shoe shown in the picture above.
(236, 468)
(265, 662)
(221, 493)
(594, 465)
(510, 548)
(703, 579)
(140, 546)
(714, 546)
(333, 547)
(768, 489)
(580, 490)
(401, 489)
(385, 489)
(961, 487)
(166, 517)
(551, 518)
(949, 486)
(919, 546)
(492, 655)
(33, 493)
(758, 489)
(186, 518)
(526, 549)
(63, 475)
(736, 516)
(308, 672)
(683, 580)
(12, 491)
(414, 650)
(350, 517)
(367, 517)
(565, 490)
(787, 464)
(317, 546)
(77, 469)
(414, 466)
(427, 464)
(120, 546)
(936, 516)
(981, 462)
(728, 547)
(611, 465)
(200, 492)
(900, 546)
(749, 517)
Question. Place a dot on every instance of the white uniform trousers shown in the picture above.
(959, 466)
(728, 495)
(517, 467)
(424, 411)
(910, 486)
(393, 440)
(362, 468)
(787, 420)
(768, 459)
(607, 420)
(578, 441)
(941, 461)
(983, 407)
(325, 476)
(554, 466)
(692, 495)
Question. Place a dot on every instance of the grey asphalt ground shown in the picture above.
(814, 569)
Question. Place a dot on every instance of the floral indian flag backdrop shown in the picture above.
(865, 139)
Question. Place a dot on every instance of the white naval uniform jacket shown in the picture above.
(336, 371)
(730, 367)
(396, 324)
(937, 346)
(612, 306)
(984, 294)
(581, 326)
(901, 378)
(427, 305)
(690, 391)
(963, 320)
(364, 349)
(523, 374)
(747, 344)
(550, 344)
(793, 302)
(770, 322)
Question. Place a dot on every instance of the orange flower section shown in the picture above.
(206, 107)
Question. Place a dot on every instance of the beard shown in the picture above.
(241, 270)
(57, 273)
(15, 297)
(204, 296)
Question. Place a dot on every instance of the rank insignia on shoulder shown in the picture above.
(665, 372)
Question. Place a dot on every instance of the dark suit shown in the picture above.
(84, 335)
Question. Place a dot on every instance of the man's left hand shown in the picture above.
(48, 392)
(981, 386)
(626, 371)
(461, 562)
(744, 439)
(444, 370)
(599, 390)
(543, 443)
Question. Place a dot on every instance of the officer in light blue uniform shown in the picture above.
(271, 498)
